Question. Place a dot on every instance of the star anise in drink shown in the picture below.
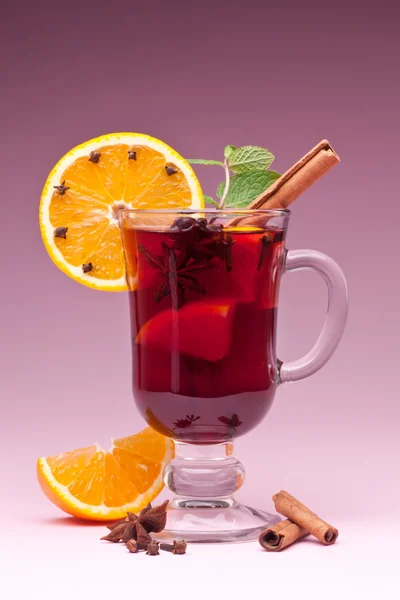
(199, 237)
(186, 422)
(177, 268)
(232, 421)
(203, 240)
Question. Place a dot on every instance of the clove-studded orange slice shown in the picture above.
(91, 183)
(100, 485)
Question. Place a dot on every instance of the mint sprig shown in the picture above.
(246, 187)
(251, 175)
(210, 200)
(248, 158)
(201, 161)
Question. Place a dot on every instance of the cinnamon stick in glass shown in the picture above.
(285, 190)
(282, 534)
(292, 509)
(306, 171)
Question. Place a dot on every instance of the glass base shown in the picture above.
(204, 479)
(211, 521)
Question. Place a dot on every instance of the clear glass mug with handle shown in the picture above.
(204, 290)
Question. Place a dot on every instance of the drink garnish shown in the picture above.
(232, 421)
(186, 422)
(177, 269)
(91, 184)
(86, 268)
(266, 240)
(61, 232)
(195, 243)
(254, 186)
(132, 155)
(94, 156)
(171, 170)
(227, 243)
(198, 237)
(62, 188)
(193, 322)
(250, 166)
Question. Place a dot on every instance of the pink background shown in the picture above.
(199, 77)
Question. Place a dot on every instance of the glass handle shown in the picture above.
(335, 319)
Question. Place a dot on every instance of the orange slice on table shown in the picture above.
(91, 183)
(91, 483)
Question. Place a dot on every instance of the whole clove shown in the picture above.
(62, 188)
(177, 547)
(170, 170)
(139, 527)
(152, 548)
(87, 267)
(94, 156)
(266, 241)
(227, 244)
(61, 232)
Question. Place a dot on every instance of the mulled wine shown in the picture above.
(203, 305)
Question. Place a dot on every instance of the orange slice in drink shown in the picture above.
(87, 188)
(201, 329)
(94, 484)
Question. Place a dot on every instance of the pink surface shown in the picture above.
(68, 561)
(200, 77)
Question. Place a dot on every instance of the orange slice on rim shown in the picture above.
(87, 188)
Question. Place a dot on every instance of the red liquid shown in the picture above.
(203, 318)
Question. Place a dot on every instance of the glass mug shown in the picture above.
(204, 289)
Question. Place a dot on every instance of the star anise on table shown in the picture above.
(139, 527)
(177, 268)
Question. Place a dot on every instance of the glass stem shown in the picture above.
(203, 476)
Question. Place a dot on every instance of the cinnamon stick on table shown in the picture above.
(292, 509)
(282, 534)
(298, 178)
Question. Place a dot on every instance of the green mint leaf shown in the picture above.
(249, 158)
(245, 187)
(229, 150)
(210, 200)
(201, 161)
